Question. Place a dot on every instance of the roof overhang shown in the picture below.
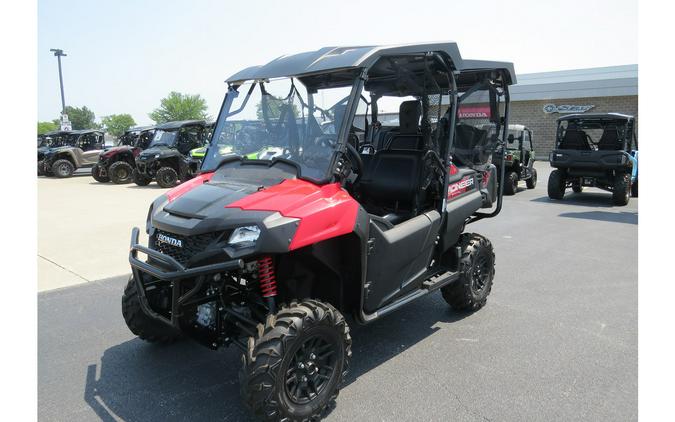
(344, 58)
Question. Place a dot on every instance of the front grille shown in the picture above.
(191, 245)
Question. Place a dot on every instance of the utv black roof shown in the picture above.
(84, 131)
(596, 116)
(139, 128)
(336, 58)
(180, 124)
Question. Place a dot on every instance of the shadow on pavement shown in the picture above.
(614, 217)
(185, 381)
(603, 200)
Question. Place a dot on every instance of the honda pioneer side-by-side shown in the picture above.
(303, 213)
(519, 160)
(596, 150)
(117, 164)
(167, 159)
(75, 149)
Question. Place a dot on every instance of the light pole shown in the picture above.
(59, 53)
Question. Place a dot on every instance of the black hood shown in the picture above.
(159, 149)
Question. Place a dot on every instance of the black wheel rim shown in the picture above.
(480, 275)
(311, 369)
(168, 179)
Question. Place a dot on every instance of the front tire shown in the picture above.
(510, 183)
(296, 363)
(96, 173)
(556, 185)
(621, 190)
(139, 323)
(531, 183)
(121, 173)
(63, 168)
(476, 273)
(166, 177)
(140, 179)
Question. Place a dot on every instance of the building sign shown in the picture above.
(474, 112)
(65, 123)
(552, 108)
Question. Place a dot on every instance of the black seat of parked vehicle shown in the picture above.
(408, 135)
(392, 181)
(575, 139)
(609, 141)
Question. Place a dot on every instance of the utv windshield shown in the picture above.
(281, 119)
(163, 137)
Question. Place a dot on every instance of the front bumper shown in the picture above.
(169, 270)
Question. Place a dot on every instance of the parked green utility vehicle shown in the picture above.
(519, 160)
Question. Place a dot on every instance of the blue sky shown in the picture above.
(124, 56)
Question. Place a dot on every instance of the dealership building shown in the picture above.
(540, 98)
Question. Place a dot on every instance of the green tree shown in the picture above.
(81, 118)
(177, 106)
(44, 127)
(117, 124)
(273, 108)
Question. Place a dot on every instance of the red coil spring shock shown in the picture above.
(266, 277)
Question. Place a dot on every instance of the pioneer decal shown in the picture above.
(460, 187)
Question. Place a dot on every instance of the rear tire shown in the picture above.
(63, 168)
(296, 363)
(140, 179)
(510, 183)
(556, 185)
(139, 323)
(121, 173)
(531, 183)
(96, 174)
(166, 177)
(476, 273)
(634, 189)
(621, 190)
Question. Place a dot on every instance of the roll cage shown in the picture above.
(396, 71)
(617, 132)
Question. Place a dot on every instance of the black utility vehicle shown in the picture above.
(519, 160)
(117, 164)
(598, 150)
(167, 159)
(268, 253)
(73, 150)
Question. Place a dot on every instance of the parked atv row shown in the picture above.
(302, 213)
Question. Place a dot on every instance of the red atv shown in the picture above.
(117, 164)
(308, 208)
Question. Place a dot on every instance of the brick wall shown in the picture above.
(531, 114)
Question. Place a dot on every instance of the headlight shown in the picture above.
(244, 236)
(156, 156)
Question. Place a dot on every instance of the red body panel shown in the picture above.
(184, 187)
(324, 211)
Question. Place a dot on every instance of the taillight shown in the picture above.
(453, 169)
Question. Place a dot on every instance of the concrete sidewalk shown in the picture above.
(84, 228)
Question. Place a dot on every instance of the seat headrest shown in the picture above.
(409, 113)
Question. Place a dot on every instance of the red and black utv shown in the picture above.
(117, 164)
(312, 209)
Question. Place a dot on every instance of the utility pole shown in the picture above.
(65, 124)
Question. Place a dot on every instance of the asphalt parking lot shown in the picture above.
(557, 340)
